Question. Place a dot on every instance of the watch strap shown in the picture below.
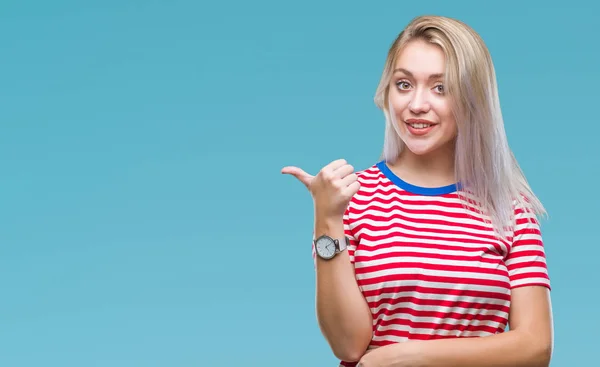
(343, 243)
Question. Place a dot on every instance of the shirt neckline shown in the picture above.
(420, 190)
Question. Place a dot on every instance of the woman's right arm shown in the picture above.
(342, 312)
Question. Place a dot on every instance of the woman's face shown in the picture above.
(418, 99)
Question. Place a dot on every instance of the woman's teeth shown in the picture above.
(420, 126)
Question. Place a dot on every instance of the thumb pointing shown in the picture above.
(298, 173)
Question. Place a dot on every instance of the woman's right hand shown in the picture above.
(331, 189)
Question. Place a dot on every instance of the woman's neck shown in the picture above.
(432, 170)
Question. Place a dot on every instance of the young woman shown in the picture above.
(424, 258)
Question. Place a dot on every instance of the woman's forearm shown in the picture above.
(509, 349)
(342, 312)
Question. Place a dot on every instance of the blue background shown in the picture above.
(143, 217)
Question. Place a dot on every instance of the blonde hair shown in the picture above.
(485, 167)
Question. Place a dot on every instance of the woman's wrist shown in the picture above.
(332, 226)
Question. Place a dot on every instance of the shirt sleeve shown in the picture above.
(526, 261)
(352, 241)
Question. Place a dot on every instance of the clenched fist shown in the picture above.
(332, 188)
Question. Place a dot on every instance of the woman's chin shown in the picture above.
(420, 148)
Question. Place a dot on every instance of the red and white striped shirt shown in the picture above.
(428, 267)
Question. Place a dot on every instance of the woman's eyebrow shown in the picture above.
(432, 76)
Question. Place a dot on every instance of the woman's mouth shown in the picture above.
(419, 127)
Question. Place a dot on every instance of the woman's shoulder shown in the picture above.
(373, 182)
(370, 173)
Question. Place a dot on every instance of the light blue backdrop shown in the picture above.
(143, 218)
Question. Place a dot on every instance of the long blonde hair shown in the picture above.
(485, 166)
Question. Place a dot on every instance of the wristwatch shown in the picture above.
(327, 247)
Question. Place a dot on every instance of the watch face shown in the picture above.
(325, 247)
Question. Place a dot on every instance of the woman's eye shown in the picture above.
(403, 85)
(439, 88)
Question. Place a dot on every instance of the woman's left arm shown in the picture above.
(529, 342)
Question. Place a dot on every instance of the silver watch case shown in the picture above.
(327, 247)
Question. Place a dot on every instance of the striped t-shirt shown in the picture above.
(430, 268)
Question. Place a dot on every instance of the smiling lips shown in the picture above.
(419, 126)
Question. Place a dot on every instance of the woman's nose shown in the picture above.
(419, 102)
